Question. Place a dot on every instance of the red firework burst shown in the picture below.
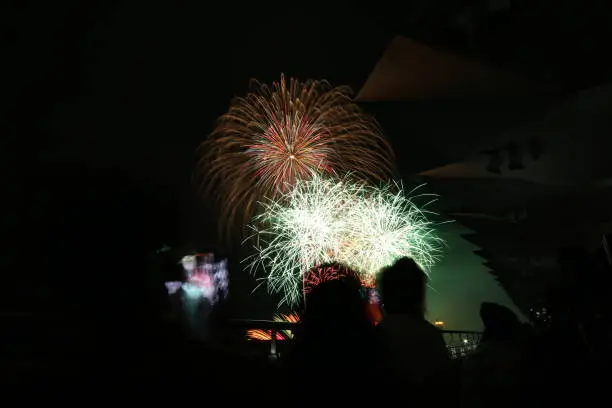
(324, 273)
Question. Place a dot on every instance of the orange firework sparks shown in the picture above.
(266, 335)
(290, 130)
(291, 318)
(263, 335)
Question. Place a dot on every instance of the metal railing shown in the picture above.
(459, 343)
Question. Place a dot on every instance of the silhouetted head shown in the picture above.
(334, 333)
(328, 272)
(402, 287)
(335, 303)
(500, 322)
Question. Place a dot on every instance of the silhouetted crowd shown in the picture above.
(98, 255)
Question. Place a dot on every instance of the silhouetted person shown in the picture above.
(335, 345)
(568, 346)
(416, 352)
(495, 373)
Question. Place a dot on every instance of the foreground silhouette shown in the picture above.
(416, 354)
(335, 346)
(496, 372)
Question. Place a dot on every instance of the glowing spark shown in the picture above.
(289, 131)
(322, 221)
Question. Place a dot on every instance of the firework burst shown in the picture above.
(286, 132)
(322, 221)
(324, 273)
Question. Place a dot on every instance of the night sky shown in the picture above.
(118, 86)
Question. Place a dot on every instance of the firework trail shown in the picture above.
(322, 220)
(289, 131)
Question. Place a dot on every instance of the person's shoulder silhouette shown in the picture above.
(501, 323)
(498, 366)
(336, 339)
(416, 351)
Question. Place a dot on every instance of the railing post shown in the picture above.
(273, 353)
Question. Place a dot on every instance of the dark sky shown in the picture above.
(133, 88)
(125, 86)
(139, 87)
(147, 83)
